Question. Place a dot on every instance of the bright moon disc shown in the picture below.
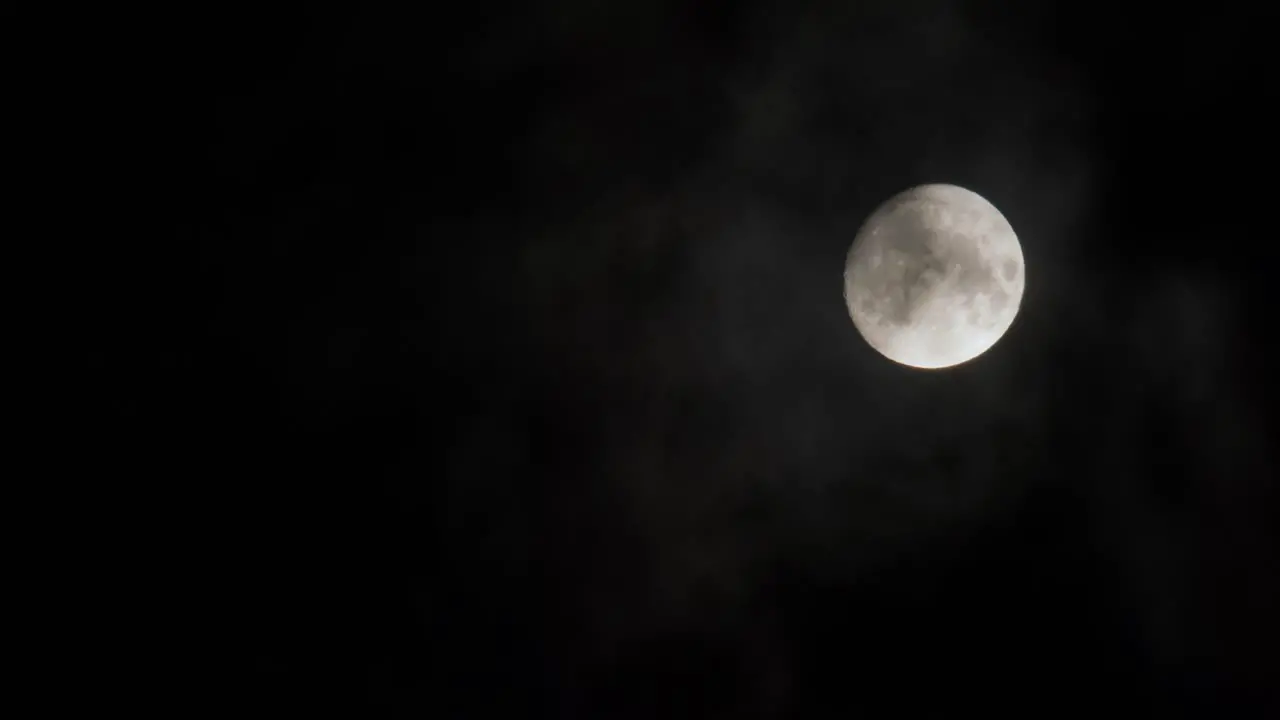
(934, 277)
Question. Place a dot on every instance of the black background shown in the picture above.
(504, 348)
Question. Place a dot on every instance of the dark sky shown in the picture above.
(519, 378)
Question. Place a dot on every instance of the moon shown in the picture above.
(934, 277)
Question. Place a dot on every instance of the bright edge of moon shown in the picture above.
(934, 277)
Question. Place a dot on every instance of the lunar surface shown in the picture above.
(934, 277)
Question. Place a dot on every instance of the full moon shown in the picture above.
(934, 277)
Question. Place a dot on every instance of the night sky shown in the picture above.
(509, 355)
